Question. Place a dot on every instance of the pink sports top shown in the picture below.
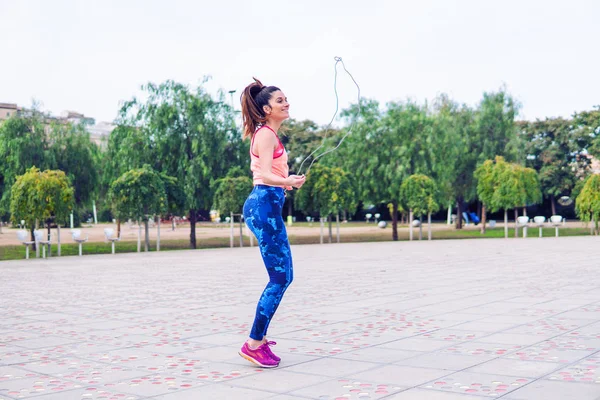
(280, 159)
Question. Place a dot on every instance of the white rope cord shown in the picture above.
(337, 61)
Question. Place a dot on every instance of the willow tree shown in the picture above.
(187, 134)
(587, 203)
(139, 194)
(418, 193)
(506, 186)
(328, 191)
(41, 196)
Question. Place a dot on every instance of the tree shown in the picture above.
(189, 136)
(492, 134)
(328, 191)
(502, 185)
(73, 152)
(587, 123)
(231, 193)
(23, 144)
(386, 148)
(139, 194)
(300, 139)
(486, 185)
(41, 196)
(557, 149)
(587, 203)
(451, 128)
(418, 194)
(506, 189)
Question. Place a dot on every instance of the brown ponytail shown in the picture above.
(254, 97)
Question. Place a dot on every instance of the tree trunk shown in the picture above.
(505, 223)
(158, 233)
(146, 234)
(337, 226)
(449, 218)
(553, 204)
(58, 238)
(118, 228)
(483, 219)
(49, 236)
(321, 229)
(421, 227)
(139, 237)
(459, 202)
(429, 226)
(525, 211)
(241, 232)
(410, 225)
(330, 232)
(34, 245)
(193, 228)
(394, 220)
(516, 226)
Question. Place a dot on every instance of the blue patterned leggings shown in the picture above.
(262, 213)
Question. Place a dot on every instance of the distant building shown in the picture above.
(7, 110)
(76, 118)
(99, 132)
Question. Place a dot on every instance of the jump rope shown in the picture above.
(338, 60)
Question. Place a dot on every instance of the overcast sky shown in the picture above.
(89, 55)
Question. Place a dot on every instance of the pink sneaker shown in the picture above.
(270, 352)
(258, 356)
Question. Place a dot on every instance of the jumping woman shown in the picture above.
(264, 108)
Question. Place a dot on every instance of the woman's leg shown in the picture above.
(262, 213)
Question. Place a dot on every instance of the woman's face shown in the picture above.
(278, 107)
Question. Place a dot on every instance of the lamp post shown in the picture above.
(231, 92)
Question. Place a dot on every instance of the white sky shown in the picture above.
(89, 55)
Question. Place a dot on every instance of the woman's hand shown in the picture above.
(296, 181)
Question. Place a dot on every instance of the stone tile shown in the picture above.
(378, 354)
(448, 362)
(88, 393)
(348, 389)
(512, 338)
(527, 369)
(405, 315)
(551, 390)
(278, 381)
(216, 392)
(417, 343)
(484, 326)
(43, 342)
(424, 394)
(153, 385)
(332, 367)
(585, 371)
(11, 372)
(477, 384)
(30, 387)
(400, 375)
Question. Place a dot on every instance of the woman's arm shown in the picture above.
(264, 146)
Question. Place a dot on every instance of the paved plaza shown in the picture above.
(513, 319)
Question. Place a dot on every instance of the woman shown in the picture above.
(264, 108)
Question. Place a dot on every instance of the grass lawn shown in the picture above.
(17, 252)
